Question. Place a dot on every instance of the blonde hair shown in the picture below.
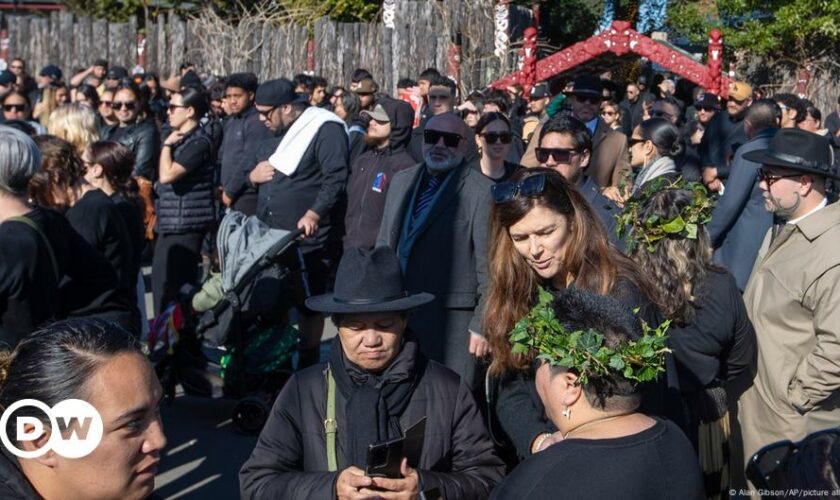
(75, 124)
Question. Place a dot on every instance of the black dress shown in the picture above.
(657, 463)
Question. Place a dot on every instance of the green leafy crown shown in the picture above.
(584, 351)
(685, 225)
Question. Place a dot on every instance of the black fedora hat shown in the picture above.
(368, 282)
(588, 85)
(799, 150)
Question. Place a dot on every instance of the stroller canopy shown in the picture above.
(242, 241)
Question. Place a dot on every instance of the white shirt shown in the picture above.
(816, 209)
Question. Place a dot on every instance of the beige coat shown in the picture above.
(793, 299)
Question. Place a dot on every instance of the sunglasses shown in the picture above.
(127, 105)
(707, 109)
(560, 155)
(608, 113)
(632, 141)
(267, 113)
(763, 466)
(496, 137)
(450, 139)
(439, 97)
(770, 179)
(528, 187)
(592, 99)
(16, 107)
(174, 107)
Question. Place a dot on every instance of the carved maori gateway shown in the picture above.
(619, 40)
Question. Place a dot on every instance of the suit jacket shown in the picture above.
(444, 253)
(793, 300)
(740, 221)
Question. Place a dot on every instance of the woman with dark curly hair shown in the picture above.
(712, 339)
(544, 233)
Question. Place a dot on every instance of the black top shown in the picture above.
(132, 216)
(242, 134)
(510, 169)
(657, 463)
(720, 343)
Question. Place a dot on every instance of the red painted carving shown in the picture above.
(620, 39)
(529, 60)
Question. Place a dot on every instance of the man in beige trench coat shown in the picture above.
(793, 297)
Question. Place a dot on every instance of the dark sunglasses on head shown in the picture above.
(766, 463)
(495, 137)
(770, 179)
(129, 105)
(450, 139)
(16, 107)
(560, 155)
(591, 99)
(507, 191)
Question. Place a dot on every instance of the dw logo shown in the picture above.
(76, 428)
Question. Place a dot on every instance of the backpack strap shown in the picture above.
(29, 222)
(330, 425)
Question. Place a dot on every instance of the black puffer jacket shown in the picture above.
(290, 459)
(143, 140)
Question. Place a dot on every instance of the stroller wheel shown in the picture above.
(250, 414)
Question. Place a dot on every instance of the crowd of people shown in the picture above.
(598, 289)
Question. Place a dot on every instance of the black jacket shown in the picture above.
(143, 140)
(605, 209)
(13, 484)
(290, 459)
(188, 204)
(722, 138)
(242, 134)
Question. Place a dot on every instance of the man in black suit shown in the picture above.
(436, 219)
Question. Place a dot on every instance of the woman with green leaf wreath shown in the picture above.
(592, 354)
(712, 339)
(544, 234)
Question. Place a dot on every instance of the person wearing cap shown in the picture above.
(793, 297)
(301, 173)
(724, 136)
(243, 132)
(436, 218)
(366, 90)
(740, 221)
(114, 76)
(376, 385)
(540, 96)
(49, 75)
(387, 136)
(99, 69)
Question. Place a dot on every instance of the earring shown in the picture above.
(480, 151)
(567, 413)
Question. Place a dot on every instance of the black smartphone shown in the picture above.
(383, 459)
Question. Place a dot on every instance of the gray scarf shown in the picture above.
(663, 165)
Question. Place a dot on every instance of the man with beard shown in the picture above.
(371, 173)
(436, 218)
(441, 99)
(793, 296)
(724, 135)
(300, 174)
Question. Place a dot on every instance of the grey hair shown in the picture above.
(20, 158)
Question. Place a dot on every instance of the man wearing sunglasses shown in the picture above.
(793, 296)
(740, 221)
(609, 162)
(436, 217)
(724, 135)
(441, 99)
(243, 132)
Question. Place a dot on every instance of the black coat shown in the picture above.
(242, 134)
(13, 484)
(290, 458)
(143, 140)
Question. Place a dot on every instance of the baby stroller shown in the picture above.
(242, 346)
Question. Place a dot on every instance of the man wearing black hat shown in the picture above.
(114, 76)
(540, 96)
(301, 173)
(376, 386)
(387, 136)
(243, 132)
(793, 297)
(740, 221)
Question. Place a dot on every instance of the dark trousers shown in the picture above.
(175, 264)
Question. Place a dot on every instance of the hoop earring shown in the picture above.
(567, 413)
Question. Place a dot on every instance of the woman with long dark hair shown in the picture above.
(653, 145)
(185, 206)
(712, 339)
(543, 233)
(493, 137)
(101, 364)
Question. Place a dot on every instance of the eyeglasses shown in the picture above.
(127, 105)
(632, 141)
(560, 155)
(528, 187)
(770, 179)
(14, 107)
(267, 113)
(763, 466)
(592, 99)
(439, 97)
(496, 137)
(707, 109)
(174, 107)
(450, 139)
(106, 104)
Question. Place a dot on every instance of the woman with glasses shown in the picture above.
(611, 114)
(16, 107)
(135, 130)
(653, 145)
(493, 137)
(105, 108)
(711, 336)
(543, 233)
(185, 204)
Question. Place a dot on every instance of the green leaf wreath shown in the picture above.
(585, 351)
(636, 231)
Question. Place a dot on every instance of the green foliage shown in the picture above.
(585, 352)
(113, 11)
(796, 28)
(564, 22)
(635, 231)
